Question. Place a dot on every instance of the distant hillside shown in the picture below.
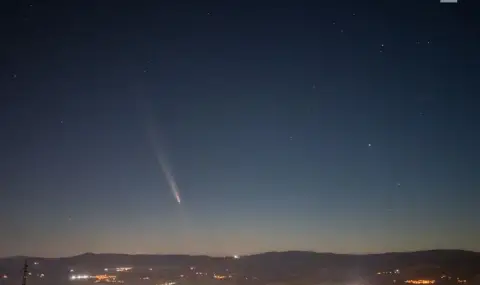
(274, 263)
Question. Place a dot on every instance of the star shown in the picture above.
(14, 76)
(369, 145)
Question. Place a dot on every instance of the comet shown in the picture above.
(169, 177)
(154, 140)
(162, 162)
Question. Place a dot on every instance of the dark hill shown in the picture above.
(464, 263)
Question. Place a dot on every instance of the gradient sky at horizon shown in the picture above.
(334, 126)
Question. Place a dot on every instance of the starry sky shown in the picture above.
(334, 126)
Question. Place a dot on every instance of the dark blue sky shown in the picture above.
(339, 126)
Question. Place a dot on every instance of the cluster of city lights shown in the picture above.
(396, 271)
(168, 283)
(105, 278)
(221, 277)
(120, 269)
(460, 281)
(421, 281)
(79, 277)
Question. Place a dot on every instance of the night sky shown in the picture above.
(334, 126)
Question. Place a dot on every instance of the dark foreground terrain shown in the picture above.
(293, 267)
